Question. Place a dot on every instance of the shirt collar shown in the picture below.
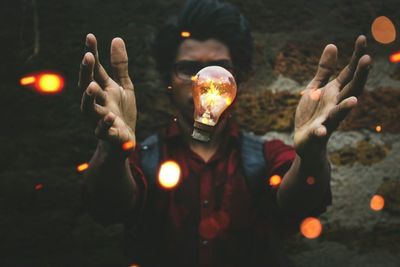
(174, 131)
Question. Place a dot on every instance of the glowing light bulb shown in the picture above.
(214, 90)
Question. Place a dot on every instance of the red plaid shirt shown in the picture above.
(211, 218)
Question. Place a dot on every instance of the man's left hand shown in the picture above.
(325, 103)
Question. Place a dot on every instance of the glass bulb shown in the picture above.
(214, 90)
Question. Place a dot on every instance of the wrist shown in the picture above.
(112, 150)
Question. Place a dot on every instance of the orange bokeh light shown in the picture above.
(383, 30)
(82, 167)
(310, 180)
(377, 203)
(27, 80)
(395, 57)
(275, 180)
(311, 227)
(128, 145)
(185, 34)
(49, 83)
(169, 174)
(378, 128)
(315, 94)
(38, 186)
(209, 228)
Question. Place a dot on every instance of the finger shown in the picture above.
(326, 67)
(104, 125)
(119, 63)
(356, 85)
(100, 74)
(339, 113)
(86, 71)
(89, 99)
(95, 90)
(347, 73)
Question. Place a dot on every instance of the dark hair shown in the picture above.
(206, 19)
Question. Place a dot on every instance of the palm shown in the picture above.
(324, 104)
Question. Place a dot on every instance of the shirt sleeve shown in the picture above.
(139, 177)
(280, 157)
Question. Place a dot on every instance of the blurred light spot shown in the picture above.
(208, 228)
(49, 83)
(315, 94)
(311, 227)
(395, 57)
(185, 34)
(275, 180)
(169, 174)
(377, 203)
(169, 87)
(378, 128)
(383, 30)
(134, 265)
(27, 80)
(193, 78)
(128, 145)
(38, 186)
(175, 119)
(82, 167)
(310, 180)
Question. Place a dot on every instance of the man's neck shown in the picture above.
(204, 149)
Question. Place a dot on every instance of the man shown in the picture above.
(213, 217)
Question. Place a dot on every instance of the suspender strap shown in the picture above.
(150, 157)
(252, 157)
(253, 160)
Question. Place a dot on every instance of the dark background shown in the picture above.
(44, 138)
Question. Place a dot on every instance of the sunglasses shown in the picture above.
(186, 69)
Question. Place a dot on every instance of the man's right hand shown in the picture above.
(108, 102)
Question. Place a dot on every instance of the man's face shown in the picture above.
(192, 55)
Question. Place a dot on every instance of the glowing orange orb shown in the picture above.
(275, 180)
(38, 186)
(315, 94)
(310, 180)
(128, 145)
(395, 57)
(377, 203)
(185, 34)
(169, 174)
(209, 228)
(49, 83)
(311, 227)
(27, 80)
(378, 128)
(82, 167)
(383, 30)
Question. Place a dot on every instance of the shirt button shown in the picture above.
(205, 203)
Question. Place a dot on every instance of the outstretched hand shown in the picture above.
(108, 102)
(324, 104)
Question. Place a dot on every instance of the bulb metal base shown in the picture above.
(202, 132)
